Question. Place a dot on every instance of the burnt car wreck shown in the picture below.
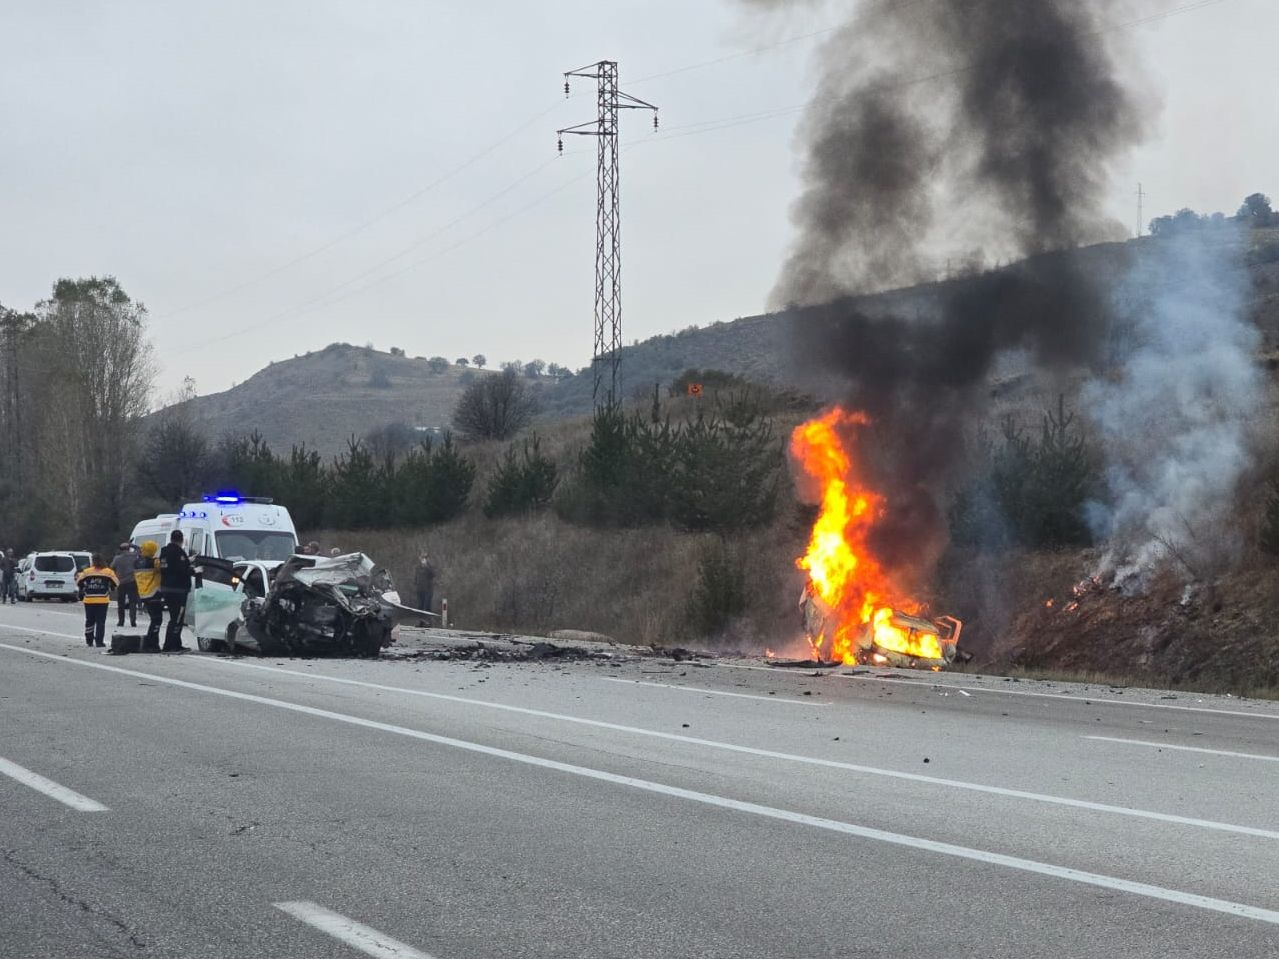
(343, 606)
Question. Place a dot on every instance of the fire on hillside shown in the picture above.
(854, 612)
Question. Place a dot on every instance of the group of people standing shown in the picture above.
(155, 579)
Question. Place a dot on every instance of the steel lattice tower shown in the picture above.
(606, 359)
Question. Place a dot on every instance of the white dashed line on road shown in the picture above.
(1186, 749)
(356, 935)
(68, 797)
(711, 692)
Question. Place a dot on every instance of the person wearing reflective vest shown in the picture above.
(95, 583)
(146, 575)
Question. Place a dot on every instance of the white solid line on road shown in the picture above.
(41, 632)
(1194, 900)
(710, 692)
(62, 794)
(367, 940)
(1086, 700)
(773, 754)
(1186, 749)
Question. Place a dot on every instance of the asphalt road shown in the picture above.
(197, 806)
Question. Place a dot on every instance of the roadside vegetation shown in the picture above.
(669, 519)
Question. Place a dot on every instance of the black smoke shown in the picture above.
(967, 129)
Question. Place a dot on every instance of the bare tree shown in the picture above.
(495, 407)
(96, 368)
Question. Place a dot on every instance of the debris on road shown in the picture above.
(510, 651)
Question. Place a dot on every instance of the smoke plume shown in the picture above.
(944, 127)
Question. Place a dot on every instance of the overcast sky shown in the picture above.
(223, 160)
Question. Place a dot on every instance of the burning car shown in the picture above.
(855, 609)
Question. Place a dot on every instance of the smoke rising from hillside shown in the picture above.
(1174, 419)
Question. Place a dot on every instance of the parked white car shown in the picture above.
(49, 575)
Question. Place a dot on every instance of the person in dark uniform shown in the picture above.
(175, 589)
(95, 583)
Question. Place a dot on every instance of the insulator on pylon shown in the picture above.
(654, 119)
(559, 145)
(565, 88)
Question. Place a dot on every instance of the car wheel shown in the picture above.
(207, 645)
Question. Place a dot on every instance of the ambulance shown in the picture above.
(226, 526)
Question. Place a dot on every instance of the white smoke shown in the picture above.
(1173, 415)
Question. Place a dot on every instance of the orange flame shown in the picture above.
(857, 593)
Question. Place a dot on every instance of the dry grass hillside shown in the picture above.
(323, 398)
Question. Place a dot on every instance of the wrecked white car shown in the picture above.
(307, 605)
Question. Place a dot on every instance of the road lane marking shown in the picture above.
(356, 935)
(710, 692)
(773, 754)
(68, 797)
(1194, 900)
(766, 753)
(1186, 749)
(1087, 700)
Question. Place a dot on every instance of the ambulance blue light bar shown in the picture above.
(229, 498)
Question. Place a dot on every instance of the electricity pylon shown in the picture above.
(606, 358)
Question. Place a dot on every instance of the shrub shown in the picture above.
(1028, 493)
(358, 489)
(717, 473)
(522, 484)
(432, 484)
(726, 469)
(719, 594)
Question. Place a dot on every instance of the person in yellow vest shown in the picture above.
(146, 574)
(95, 583)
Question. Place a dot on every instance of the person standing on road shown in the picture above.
(8, 577)
(424, 582)
(123, 565)
(146, 577)
(175, 589)
(95, 583)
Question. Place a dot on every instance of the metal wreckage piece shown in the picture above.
(344, 605)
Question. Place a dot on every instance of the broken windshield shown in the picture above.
(246, 544)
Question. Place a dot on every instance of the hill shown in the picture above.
(323, 398)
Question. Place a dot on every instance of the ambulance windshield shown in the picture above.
(248, 544)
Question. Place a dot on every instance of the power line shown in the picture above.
(693, 129)
(361, 227)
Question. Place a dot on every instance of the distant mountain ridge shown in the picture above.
(325, 397)
(322, 399)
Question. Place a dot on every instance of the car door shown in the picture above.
(215, 600)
